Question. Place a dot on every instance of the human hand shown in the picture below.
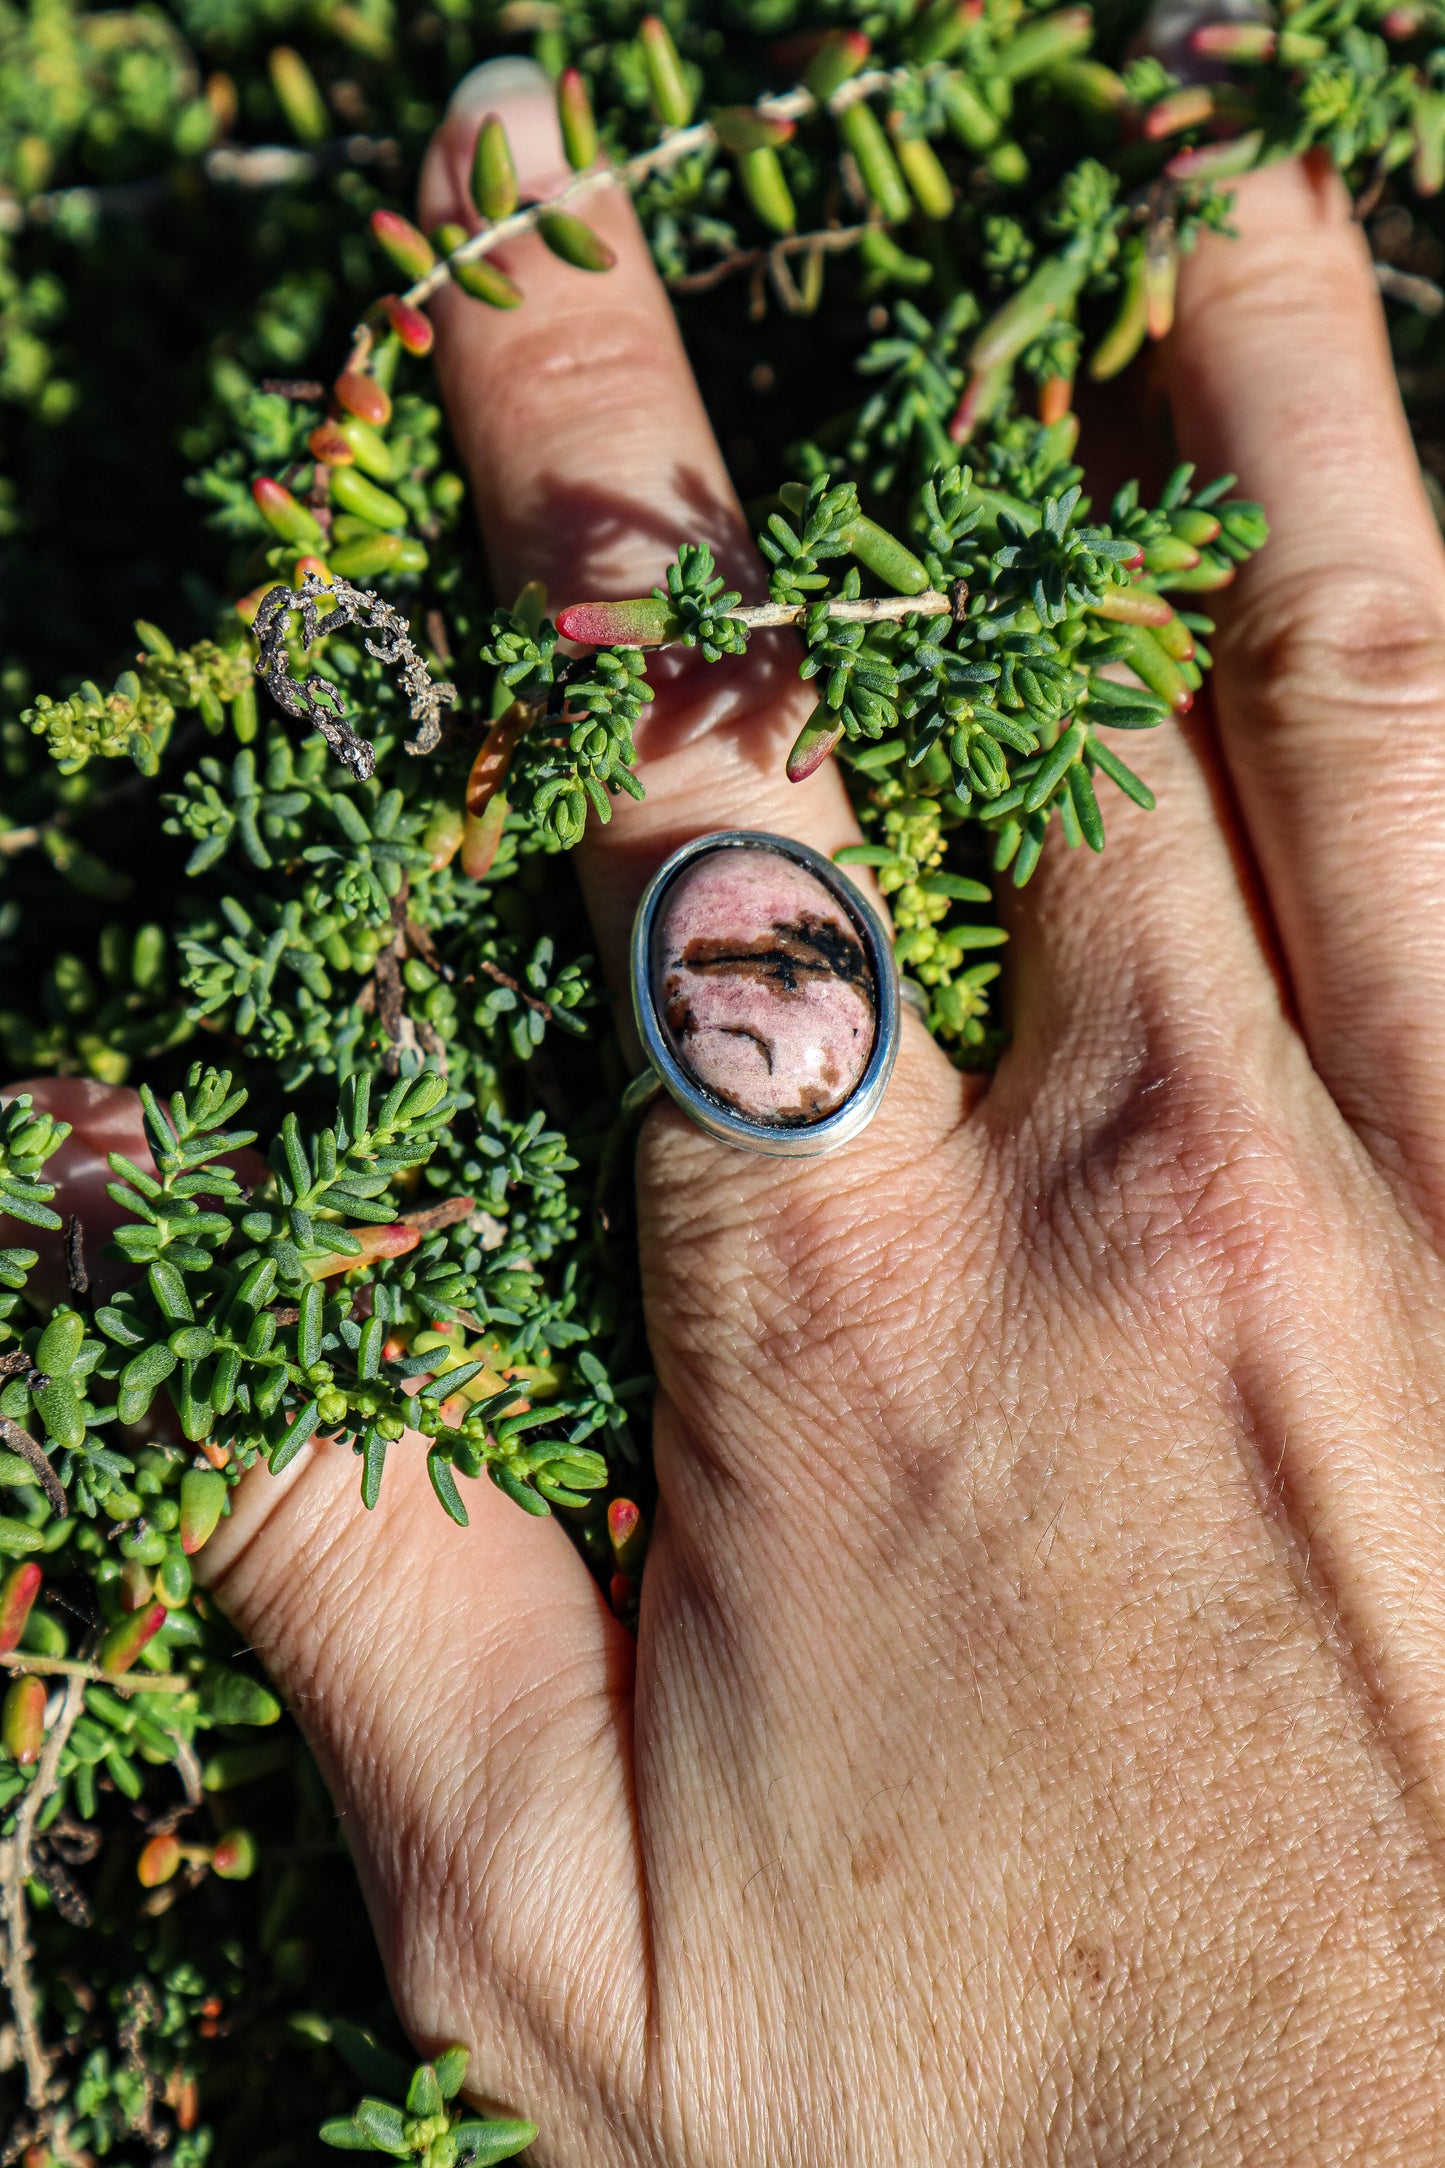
(1035, 1741)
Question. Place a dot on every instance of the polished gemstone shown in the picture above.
(764, 986)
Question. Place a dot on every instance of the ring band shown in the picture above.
(765, 993)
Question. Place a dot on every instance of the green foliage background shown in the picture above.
(189, 883)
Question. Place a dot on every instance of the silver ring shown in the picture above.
(765, 993)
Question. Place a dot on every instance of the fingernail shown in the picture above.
(518, 92)
(496, 83)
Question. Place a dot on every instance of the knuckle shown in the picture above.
(1161, 1179)
(606, 365)
(1351, 645)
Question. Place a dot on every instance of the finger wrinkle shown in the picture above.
(1271, 282)
(612, 350)
(1344, 642)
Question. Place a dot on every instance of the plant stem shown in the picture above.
(867, 610)
(1417, 293)
(828, 241)
(19, 1441)
(504, 978)
(161, 1682)
(676, 144)
(14, 1874)
(229, 165)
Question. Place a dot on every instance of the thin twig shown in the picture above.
(141, 2010)
(77, 1279)
(866, 610)
(827, 241)
(390, 997)
(1417, 293)
(71, 1667)
(677, 144)
(504, 978)
(188, 1766)
(841, 609)
(15, 1871)
(386, 635)
(420, 942)
(19, 1441)
(246, 166)
(1372, 191)
(449, 1213)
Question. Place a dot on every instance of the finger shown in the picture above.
(1136, 976)
(591, 459)
(1330, 679)
(468, 1697)
(1154, 960)
(449, 1679)
(103, 1118)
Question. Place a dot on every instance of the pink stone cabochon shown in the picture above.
(765, 988)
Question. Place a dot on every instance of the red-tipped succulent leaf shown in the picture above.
(123, 1644)
(18, 1592)
(327, 444)
(814, 742)
(1234, 41)
(361, 395)
(645, 622)
(22, 1720)
(408, 248)
(158, 1860)
(411, 327)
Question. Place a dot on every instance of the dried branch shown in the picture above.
(188, 1768)
(384, 995)
(69, 1899)
(390, 1004)
(141, 2010)
(420, 942)
(390, 995)
(77, 1279)
(20, 1442)
(866, 610)
(827, 241)
(504, 978)
(16, 1868)
(449, 1213)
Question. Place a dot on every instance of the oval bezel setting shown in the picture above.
(782, 1140)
